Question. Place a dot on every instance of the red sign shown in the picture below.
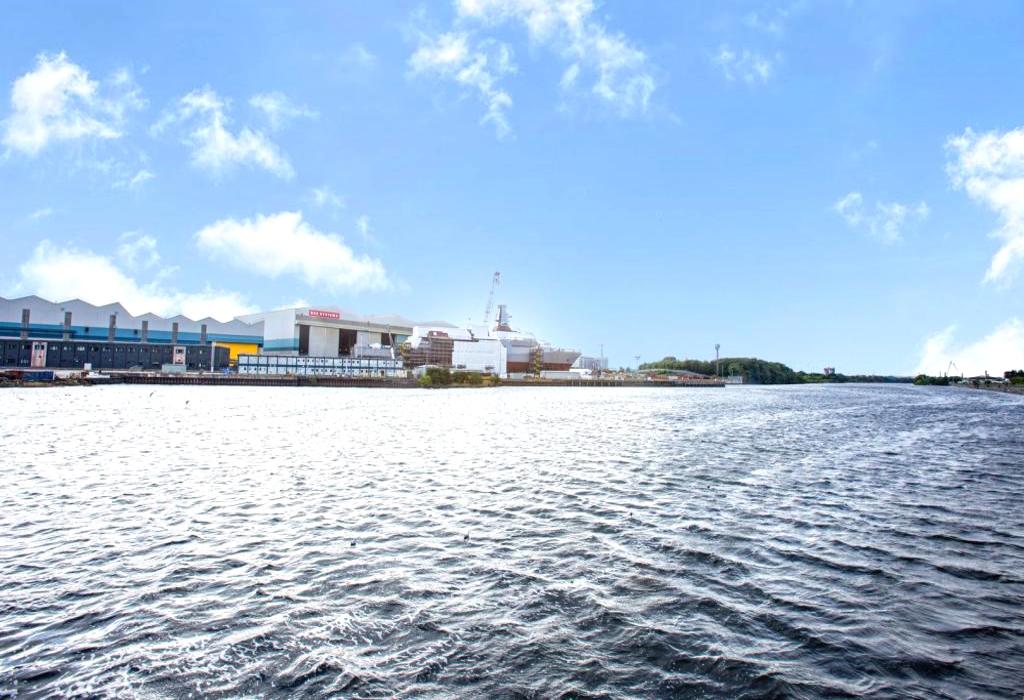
(317, 313)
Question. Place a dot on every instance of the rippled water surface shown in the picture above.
(746, 542)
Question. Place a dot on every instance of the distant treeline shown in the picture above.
(758, 371)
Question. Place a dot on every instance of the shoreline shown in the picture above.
(334, 382)
(1015, 389)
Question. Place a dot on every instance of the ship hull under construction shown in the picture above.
(525, 355)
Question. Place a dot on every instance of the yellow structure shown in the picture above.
(236, 349)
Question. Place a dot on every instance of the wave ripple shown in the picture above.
(748, 542)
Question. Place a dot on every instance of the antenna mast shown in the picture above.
(490, 297)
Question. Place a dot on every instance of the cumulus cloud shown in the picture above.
(885, 222)
(997, 352)
(989, 167)
(478, 68)
(278, 109)
(746, 65)
(60, 273)
(619, 74)
(204, 117)
(284, 244)
(58, 101)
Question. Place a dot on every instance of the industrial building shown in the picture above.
(35, 332)
(331, 332)
(36, 318)
(79, 354)
(455, 348)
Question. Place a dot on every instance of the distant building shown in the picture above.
(829, 371)
(593, 364)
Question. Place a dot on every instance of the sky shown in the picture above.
(816, 183)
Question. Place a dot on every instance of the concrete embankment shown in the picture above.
(1000, 388)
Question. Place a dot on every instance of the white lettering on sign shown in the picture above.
(317, 313)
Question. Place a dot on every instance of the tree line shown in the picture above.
(757, 371)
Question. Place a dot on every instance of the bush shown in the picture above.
(439, 376)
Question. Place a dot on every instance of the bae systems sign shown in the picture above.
(332, 315)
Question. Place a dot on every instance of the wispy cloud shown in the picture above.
(324, 196)
(59, 102)
(285, 244)
(989, 167)
(743, 64)
(39, 214)
(204, 116)
(358, 56)
(279, 109)
(480, 68)
(618, 73)
(363, 226)
(136, 181)
(137, 250)
(885, 222)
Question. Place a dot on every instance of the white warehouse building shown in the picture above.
(331, 332)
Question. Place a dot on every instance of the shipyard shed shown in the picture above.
(49, 354)
(331, 332)
(110, 337)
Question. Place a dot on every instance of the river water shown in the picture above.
(515, 542)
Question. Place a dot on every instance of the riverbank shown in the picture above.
(1000, 388)
(329, 381)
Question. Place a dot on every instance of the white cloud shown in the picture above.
(136, 181)
(283, 243)
(746, 65)
(58, 101)
(449, 55)
(67, 273)
(40, 214)
(137, 250)
(214, 147)
(999, 351)
(620, 74)
(324, 196)
(990, 168)
(886, 222)
(298, 303)
(279, 109)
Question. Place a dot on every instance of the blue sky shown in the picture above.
(819, 183)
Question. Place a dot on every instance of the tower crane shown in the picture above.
(490, 297)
